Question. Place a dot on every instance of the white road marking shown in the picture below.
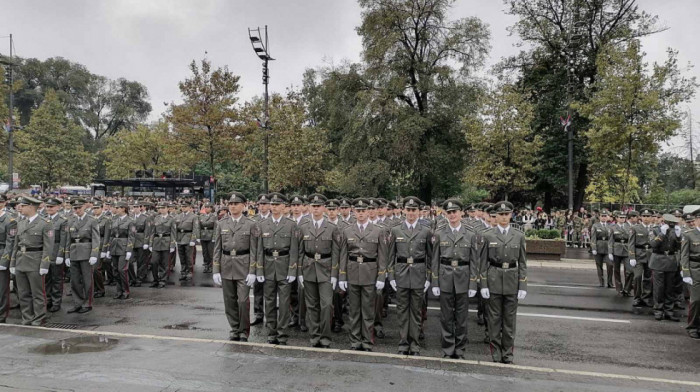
(369, 354)
(555, 316)
(565, 287)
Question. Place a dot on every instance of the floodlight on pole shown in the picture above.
(261, 48)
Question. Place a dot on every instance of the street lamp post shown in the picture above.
(261, 47)
(10, 121)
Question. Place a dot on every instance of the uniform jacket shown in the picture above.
(319, 251)
(690, 255)
(638, 245)
(207, 224)
(600, 234)
(122, 236)
(277, 249)
(619, 239)
(8, 231)
(33, 245)
(456, 259)
(142, 224)
(187, 226)
(83, 238)
(664, 249)
(235, 248)
(499, 249)
(407, 248)
(363, 256)
(162, 233)
(59, 223)
(104, 223)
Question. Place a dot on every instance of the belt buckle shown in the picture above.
(182, 231)
(275, 253)
(317, 256)
(409, 260)
(360, 259)
(160, 235)
(233, 252)
(666, 252)
(23, 248)
(504, 265)
(76, 240)
(454, 263)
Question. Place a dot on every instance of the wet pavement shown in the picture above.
(566, 323)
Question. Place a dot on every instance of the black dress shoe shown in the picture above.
(694, 335)
(74, 309)
(402, 352)
(508, 361)
(183, 277)
(161, 285)
(273, 341)
(415, 354)
(99, 295)
(243, 339)
(153, 285)
(118, 296)
(487, 340)
(671, 317)
(234, 338)
(317, 344)
(480, 319)
(659, 317)
(136, 284)
(421, 336)
(85, 309)
(282, 343)
(257, 321)
(380, 334)
(337, 328)
(304, 328)
(54, 308)
(610, 286)
(126, 296)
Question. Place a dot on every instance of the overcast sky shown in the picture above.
(153, 41)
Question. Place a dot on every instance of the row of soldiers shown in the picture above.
(362, 258)
(660, 253)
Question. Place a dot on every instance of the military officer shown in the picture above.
(600, 233)
(187, 226)
(665, 244)
(276, 266)
(121, 247)
(345, 212)
(55, 278)
(455, 271)
(503, 280)
(139, 262)
(639, 250)
(410, 252)
(103, 225)
(319, 250)
(617, 249)
(82, 252)
(8, 230)
(207, 224)
(332, 208)
(258, 291)
(690, 264)
(363, 264)
(235, 255)
(162, 244)
(30, 260)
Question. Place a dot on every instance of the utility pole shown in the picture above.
(262, 50)
(690, 145)
(11, 125)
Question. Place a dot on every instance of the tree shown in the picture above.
(50, 149)
(505, 148)
(205, 122)
(631, 111)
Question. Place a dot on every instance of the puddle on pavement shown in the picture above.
(76, 345)
(182, 327)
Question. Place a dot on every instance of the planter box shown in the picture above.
(545, 249)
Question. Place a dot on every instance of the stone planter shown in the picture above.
(545, 249)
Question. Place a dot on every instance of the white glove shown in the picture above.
(522, 294)
(67, 262)
(633, 262)
(43, 271)
(393, 284)
(426, 286)
(261, 279)
(471, 293)
(436, 291)
(128, 256)
(485, 293)
(172, 250)
(291, 278)
(59, 260)
(688, 280)
(12, 270)
(92, 260)
(343, 285)
(610, 257)
(664, 229)
(3, 268)
(249, 280)
(199, 241)
(109, 256)
(334, 282)
(145, 246)
(103, 255)
(379, 285)
(595, 252)
(192, 243)
(217, 279)
(301, 280)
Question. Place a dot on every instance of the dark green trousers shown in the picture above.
(501, 312)
(409, 303)
(237, 307)
(362, 305)
(32, 297)
(454, 309)
(319, 306)
(277, 316)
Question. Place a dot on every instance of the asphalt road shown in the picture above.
(571, 335)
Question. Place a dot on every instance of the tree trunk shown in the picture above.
(581, 184)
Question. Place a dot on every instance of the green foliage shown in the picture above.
(543, 234)
(684, 197)
(50, 149)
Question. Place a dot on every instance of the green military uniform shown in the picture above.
(162, 244)
(504, 277)
(8, 230)
(143, 224)
(617, 251)
(83, 251)
(258, 287)
(639, 251)
(103, 225)
(121, 244)
(207, 225)
(600, 234)
(187, 225)
(55, 278)
(410, 252)
(319, 250)
(455, 271)
(339, 298)
(277, 264)
(363, 265)
(235, 255)
(578, 231)
(690, 265)
(664, 264)
(30, 260)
